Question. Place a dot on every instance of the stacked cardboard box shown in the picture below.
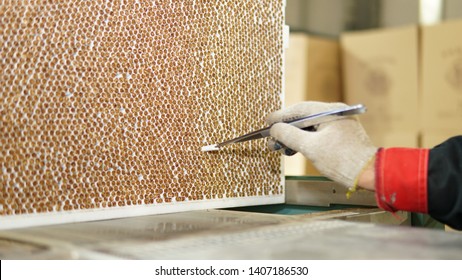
(312, 69)
(441, 76)
(380, 70)
(312, 73)
(410, 79)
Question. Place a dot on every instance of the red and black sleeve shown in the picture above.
(422, 180)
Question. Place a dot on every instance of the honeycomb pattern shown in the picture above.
(107, 103)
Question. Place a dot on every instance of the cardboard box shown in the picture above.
(380, 70)
(390, 138)
(442, 77)
(312, 73)
(298, 165)
(312, 69)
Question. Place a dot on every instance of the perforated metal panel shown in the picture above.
(106, 104)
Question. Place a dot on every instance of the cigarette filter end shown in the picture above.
(210, 148)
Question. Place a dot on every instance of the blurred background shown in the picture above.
(402, 59)
(332, 17)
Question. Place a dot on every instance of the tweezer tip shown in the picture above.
(210, 148)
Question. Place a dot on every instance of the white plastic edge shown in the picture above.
(87, 215)
(285, 40)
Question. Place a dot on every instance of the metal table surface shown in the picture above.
(225, 234)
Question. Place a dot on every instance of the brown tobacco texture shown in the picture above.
(108, 103)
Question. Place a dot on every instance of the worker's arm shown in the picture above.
(419, 180)
(445, 182)
(366, 179)
(410, 179)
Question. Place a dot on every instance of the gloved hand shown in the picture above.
(339, 149)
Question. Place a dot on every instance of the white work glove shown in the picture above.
(339, 149)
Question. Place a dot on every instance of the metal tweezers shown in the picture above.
(306, 122)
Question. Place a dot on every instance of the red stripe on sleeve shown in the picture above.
(401, 179)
